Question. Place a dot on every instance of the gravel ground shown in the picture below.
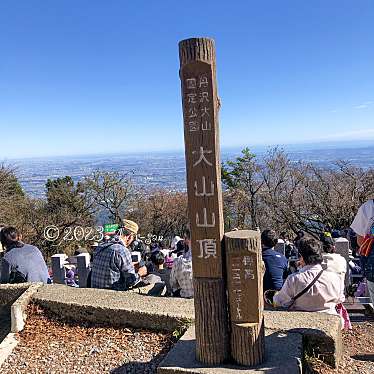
(358, 356)
(50, 346)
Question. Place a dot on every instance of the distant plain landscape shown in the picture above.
(167, 169)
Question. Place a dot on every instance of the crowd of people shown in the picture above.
(120, 262)
(308, 276)
(317, 284)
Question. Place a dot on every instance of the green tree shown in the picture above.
(67, 207)
(242, 178)
(9, 184)
(12, 196)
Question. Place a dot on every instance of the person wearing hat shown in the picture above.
(112, 267)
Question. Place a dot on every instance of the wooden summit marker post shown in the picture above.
(200, 112)
(245, 289)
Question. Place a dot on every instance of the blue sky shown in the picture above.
(89, 76)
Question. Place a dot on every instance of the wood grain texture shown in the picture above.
(248, 343)
(212, 340)
(244, 275)
(197, 49)
(205, 209)
(245, 292)
(202, 151)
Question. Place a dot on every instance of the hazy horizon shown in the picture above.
(254, 148)
(168, 169)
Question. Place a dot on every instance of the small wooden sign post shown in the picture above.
(245, 286)
(200, 112)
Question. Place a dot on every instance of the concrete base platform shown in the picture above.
(320, 332)
(283, 356)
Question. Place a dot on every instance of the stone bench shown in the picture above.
(319, 333)
(14, 299)
(9, 293)
(116, 308)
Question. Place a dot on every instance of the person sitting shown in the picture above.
(181, 274)
(158, 260)
(299, 236)
(276, 264)
(363, 226)
(180, 249)
(290, 249)
(174, 242)
(21, 262)
(333, 261)
(112, 266)
(311, 289)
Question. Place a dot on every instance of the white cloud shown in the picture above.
(361, 106)
(364, 105)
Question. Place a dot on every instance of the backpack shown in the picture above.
(16, 276)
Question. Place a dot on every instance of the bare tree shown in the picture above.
(292, 196)
(161, 213)
(111, 192)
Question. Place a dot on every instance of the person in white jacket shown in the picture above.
(333, 261)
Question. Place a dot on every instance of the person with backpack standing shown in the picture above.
(363, 226)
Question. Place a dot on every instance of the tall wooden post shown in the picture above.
(245, 286)
(201, 134)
